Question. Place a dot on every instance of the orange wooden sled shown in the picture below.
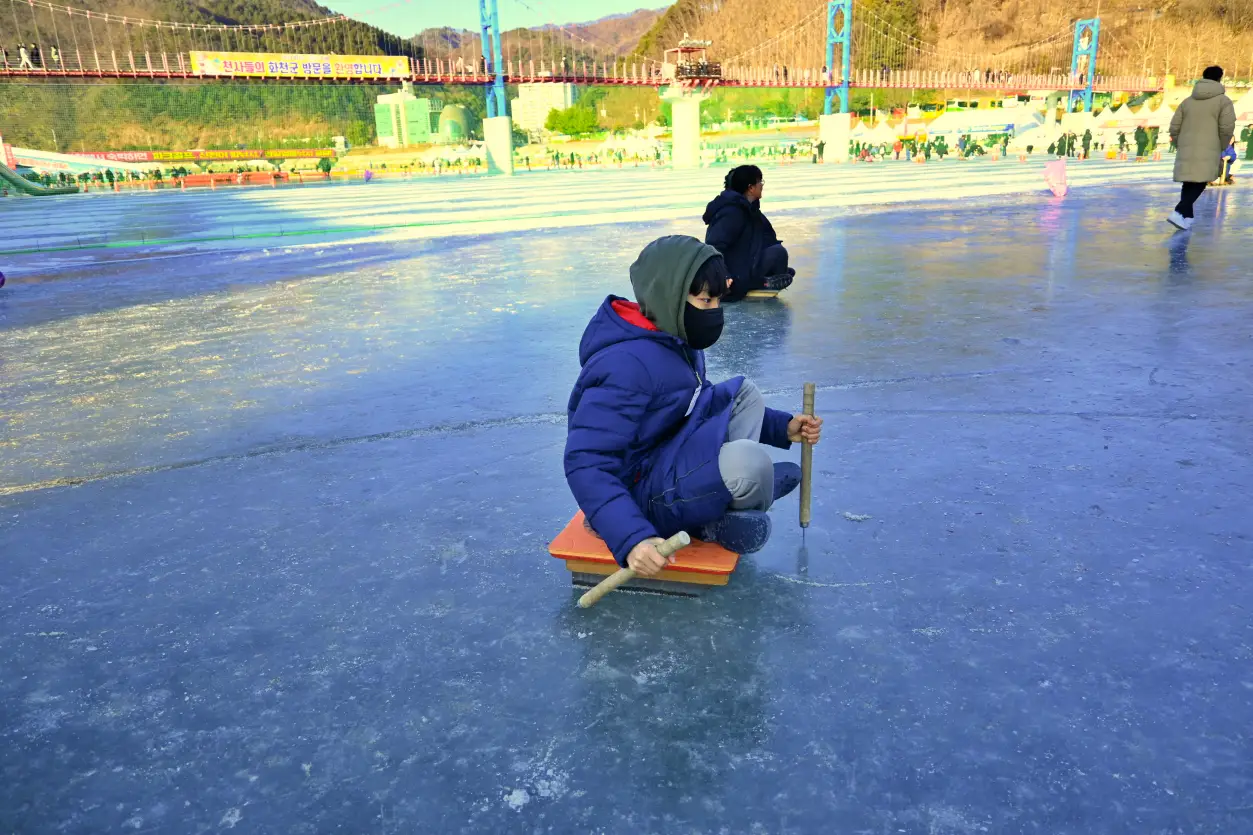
(589, 561)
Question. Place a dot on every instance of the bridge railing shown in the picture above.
(111, 63)
(114, 63)
(777, 76)
(438, 71)
(616, 73)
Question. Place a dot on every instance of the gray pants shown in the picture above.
(743, 462)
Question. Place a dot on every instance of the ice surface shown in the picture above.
(300, 584)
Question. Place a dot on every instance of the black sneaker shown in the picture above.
(741, 531)
(786, 476)
(779, 282)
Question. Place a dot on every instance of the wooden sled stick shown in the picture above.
(807, 459)
(624, 575)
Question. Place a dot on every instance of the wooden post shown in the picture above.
(807, 460)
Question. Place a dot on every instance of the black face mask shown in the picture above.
(703, 327)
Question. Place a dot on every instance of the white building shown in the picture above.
(530, 109)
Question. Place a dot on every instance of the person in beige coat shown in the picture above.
(1201, 129)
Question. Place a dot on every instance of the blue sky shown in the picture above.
(406, 17)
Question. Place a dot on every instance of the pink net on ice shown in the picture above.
(1055, 176)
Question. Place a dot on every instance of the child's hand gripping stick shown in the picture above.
(623, 575)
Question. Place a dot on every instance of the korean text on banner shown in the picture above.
(210, 156)
(274, 65)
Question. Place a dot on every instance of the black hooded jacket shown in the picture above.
(739, 230)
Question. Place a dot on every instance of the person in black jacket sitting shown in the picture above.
(754, 255)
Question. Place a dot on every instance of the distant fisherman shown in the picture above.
(739, 231)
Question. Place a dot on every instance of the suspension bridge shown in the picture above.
(836, 46)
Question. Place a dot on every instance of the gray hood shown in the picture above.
(1206, 89)
(662, 275)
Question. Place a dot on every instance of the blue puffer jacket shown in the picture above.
(643, 415)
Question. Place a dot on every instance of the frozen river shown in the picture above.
(428, 207)
(274, 515)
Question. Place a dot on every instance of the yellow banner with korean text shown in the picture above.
(275, 65)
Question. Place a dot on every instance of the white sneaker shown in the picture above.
(1179, 221)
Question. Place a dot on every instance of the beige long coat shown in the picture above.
(1202, 129)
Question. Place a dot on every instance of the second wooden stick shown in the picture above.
(807, 459)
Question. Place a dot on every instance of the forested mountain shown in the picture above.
(1179, 37)
(621, 33)
(35, 25)
(614, 37)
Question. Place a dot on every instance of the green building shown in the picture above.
(402, 119)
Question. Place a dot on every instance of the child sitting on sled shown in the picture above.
(653, 447)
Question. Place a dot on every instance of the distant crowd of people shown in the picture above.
(619, 157)
(916, 150)
(1072, 145)
(61, 178)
